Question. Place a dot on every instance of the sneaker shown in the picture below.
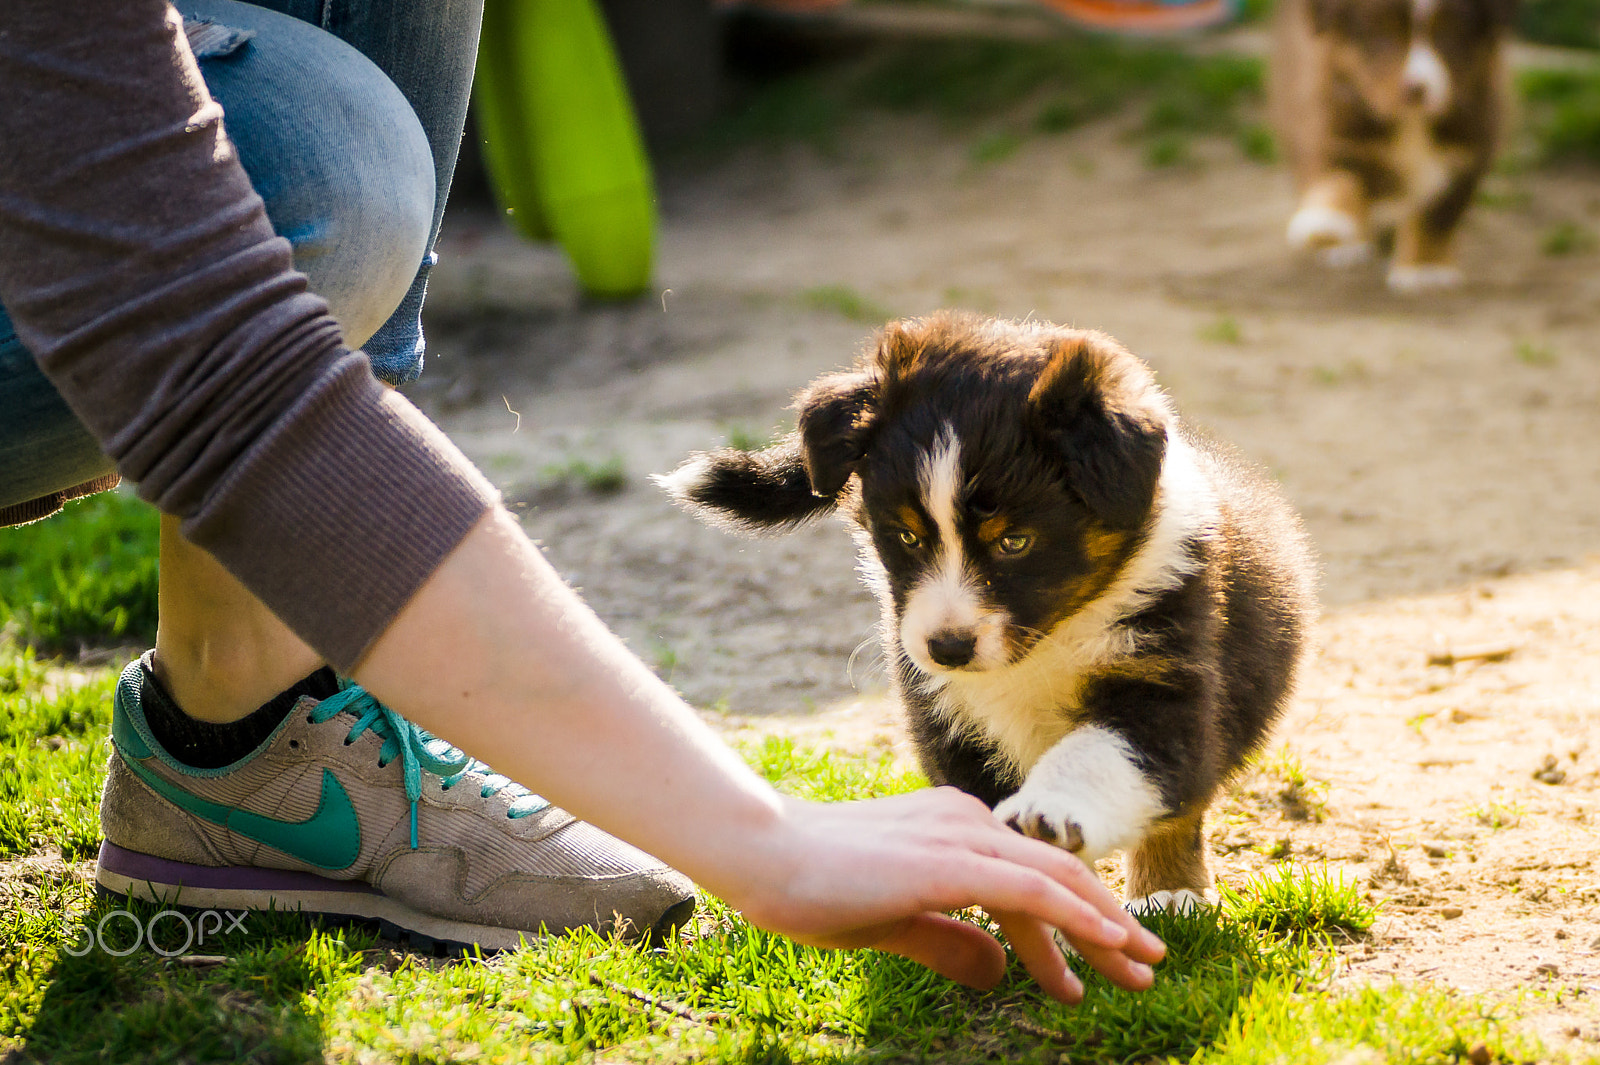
(350, 810)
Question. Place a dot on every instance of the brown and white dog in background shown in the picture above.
(1390, 111)
(1092, 615)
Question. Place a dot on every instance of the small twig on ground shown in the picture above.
(202, 961)
(1022, 1024)
(707, 1019)
(1481, 653)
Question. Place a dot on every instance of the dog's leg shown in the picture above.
(959, 758)
(1332, 219)
(1087, 794)
(1422, 247)
(1167, 870)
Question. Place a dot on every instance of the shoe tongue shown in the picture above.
(319, 685)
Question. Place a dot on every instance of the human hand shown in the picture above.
(883, 873)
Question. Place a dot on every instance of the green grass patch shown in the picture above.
(1257, 143)
(1247, 982)
(83, 578)
(602, 478)
(1562, 113)
(1568, 23)
(742, 437)
(1036, 87)
(1223, 329)
(1534, 353)
(53, 729)
(1498, 815)
(847, 303)
(1567, 238)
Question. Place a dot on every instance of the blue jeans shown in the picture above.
(347, 115)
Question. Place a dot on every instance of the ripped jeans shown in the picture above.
(347, 115)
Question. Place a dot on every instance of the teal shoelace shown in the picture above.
(419, 751)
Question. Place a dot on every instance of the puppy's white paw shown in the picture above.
(1422, 277)
(1181, 901)
(1322, 227)
(1033, 816)
(1087, 794)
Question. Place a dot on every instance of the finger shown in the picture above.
(1071, 872)
(1018, 889)
(1116, 966)
(1035, 947)
(954, 949)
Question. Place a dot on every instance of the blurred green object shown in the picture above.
(560, 140)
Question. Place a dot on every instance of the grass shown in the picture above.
(1245, 983)
(1567, 238)
(602, 478)
(1301, 797)
(1006, 92)
(1533, 353)
(1003, 93)
(1569, 23)
(1223, 329)
(742, 437)
(847, 303)
(1562, 110)
(84, 578)
(1498, 815)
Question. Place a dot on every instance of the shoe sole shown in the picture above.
(121, 873)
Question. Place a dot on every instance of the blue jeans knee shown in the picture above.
(348, 177)
(339, 157)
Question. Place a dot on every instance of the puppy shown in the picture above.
(1390, 111)
(1092, 616)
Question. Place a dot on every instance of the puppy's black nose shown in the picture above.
(952, 649)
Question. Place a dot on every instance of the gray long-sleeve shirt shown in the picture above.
(139, 268)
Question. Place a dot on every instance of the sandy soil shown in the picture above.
(1444, 451)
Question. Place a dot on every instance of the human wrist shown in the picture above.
(761, 855)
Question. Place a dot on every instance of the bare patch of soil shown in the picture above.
(1444, 450)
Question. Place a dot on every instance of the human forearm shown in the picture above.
(497, 655)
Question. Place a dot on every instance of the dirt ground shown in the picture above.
(1444, 451)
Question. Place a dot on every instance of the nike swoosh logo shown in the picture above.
(329, 839)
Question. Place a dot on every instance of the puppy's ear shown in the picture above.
(794, 480)
(1100, 408)
(838, 419)
(756, 491)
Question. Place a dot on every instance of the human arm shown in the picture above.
(498, 654)
(143, 275)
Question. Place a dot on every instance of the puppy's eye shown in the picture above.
(1015, 544)
(910, 539)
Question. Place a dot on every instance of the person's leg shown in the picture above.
(349, 178)
(315, 797)
(428, 49)
(219, 651)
